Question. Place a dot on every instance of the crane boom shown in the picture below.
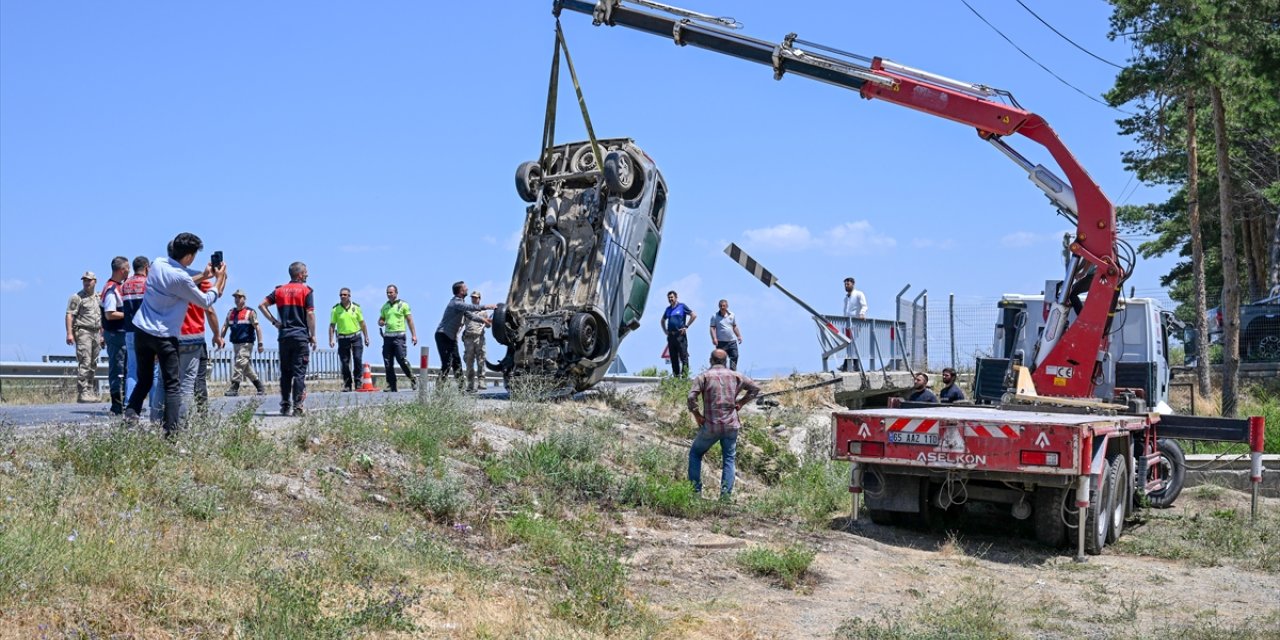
(1067, 361)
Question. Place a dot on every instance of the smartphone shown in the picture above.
(216, 259)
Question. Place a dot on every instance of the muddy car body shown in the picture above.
(585, 262)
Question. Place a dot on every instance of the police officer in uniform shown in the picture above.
(347, 321)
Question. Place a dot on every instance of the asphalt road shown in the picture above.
(25, 417)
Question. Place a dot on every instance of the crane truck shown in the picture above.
(1052, 450)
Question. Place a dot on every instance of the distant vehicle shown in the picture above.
(1259, 329)
(586, 260)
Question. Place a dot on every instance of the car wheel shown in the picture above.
(585, 336)
(584, 160)
(528, 180)
(1171, 466)
(505, 325)
(623, 175)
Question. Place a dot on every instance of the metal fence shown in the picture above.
(874, 345)
(324, 365)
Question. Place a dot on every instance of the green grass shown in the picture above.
(972, 612)
(1221, 537)
(441, 499)
(810, 494)
(788, 566)
(587, 567)
(1267, 405)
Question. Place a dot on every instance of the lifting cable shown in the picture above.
(549, 123)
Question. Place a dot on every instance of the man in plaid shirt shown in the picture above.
(719, 387)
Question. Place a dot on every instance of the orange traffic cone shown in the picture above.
(367, 381)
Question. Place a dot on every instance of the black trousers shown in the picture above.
(294, 358)
(351, 348)
(678, 349)
(150, 349)
(450, 359)
(394, 351)
(730, 347)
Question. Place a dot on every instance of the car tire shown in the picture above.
(584, 160)
(587, 337)
(504, 326)
(623, 174)
(1173, 464)
(528, 180)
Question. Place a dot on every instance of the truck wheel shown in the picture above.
(1171, 466)
(1051, 529)
(1119, 497)
(1098, 518)
(528, 180)
(623, 175)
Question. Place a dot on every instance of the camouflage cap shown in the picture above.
(88, 275)
(239, 293)
(475, 294)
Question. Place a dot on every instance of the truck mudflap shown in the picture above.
(976, 439)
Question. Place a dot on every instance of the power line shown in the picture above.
(1064, 37)
(1046, 69)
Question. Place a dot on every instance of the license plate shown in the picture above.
(908, 437)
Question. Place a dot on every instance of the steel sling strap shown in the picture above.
(549, 124)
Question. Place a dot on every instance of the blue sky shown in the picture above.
(378, 143)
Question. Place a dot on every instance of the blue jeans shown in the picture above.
(728, 453)
(117, 360)
(131, 365)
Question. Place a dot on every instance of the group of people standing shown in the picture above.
(152, 324)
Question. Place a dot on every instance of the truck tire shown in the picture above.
(528, 179)
(623, 174)
(1050, 527)
(1119, 497)
(1171, 464)
(1098, 517)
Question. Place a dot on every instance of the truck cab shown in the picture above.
(1137, 361)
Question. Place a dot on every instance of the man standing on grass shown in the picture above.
(170, 289)
(113, 333)
(84, 330)
(347, 321)
(719, 387)
(242, 324)
(296, 327)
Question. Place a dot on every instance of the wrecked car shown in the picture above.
(585, 261)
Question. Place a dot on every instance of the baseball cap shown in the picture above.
(88, 275)
(475, 294)
(239, 293)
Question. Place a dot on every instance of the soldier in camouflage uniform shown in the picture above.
(84, 330)
(473, 344)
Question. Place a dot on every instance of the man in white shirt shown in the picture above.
(855, 303)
